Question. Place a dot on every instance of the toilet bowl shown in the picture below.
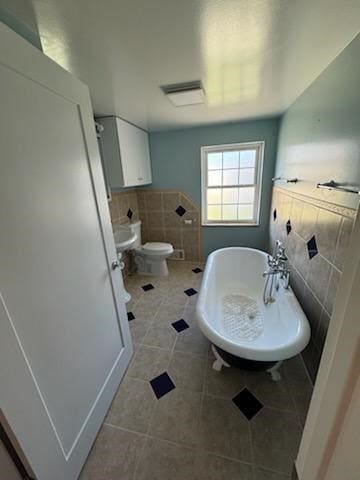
(150, 258)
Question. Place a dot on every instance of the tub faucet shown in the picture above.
(277, 266)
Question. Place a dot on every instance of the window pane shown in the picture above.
(247, 158)
(246, 195)
(214, 195)
(214, 160)
(214, 212)
(214, 178)
(231, 160)
(246, 212)
(230, 177)
(229, 212)
(230, 195)
(247, 176)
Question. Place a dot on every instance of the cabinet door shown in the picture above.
(135, 154)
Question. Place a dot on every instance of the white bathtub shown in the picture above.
(232, 287)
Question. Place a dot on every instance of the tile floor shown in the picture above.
(176, 418)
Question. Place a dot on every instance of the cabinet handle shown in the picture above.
(140, 178)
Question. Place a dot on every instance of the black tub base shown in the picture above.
(226, 359)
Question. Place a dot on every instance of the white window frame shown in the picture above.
(205, 150)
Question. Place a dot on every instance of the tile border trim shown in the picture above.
(332, 207)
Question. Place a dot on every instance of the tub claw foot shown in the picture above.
(219, 362)
(274, 372)
(217, 365)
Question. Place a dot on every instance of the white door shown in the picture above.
(64, 337)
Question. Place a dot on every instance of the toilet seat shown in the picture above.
(157, 248)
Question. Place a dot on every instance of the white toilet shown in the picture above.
(151, 257)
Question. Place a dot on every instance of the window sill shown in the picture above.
(218, 224)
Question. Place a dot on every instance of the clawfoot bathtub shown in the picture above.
(232, 315)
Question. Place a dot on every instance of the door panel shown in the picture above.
(8, 469)
(62, 316)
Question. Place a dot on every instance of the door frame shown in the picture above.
(18, 55)
(336, 385)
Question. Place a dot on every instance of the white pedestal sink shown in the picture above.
(124, 240)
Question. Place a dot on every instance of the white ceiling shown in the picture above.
(254, 57)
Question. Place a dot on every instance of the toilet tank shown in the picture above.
(136, 228)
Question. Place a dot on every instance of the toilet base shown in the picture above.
(157, 268)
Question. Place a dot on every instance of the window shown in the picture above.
(231, 183)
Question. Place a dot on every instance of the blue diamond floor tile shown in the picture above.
(130, 316)
(247, 403)
(162, 385)
(147, 287)
(180, 325)
(197, 270)
(190, 292)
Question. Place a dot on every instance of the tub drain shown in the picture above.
(241, 317)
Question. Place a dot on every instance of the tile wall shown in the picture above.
(123, 209)
(164, 215)
(316, 235)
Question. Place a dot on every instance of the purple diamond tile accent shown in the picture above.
(190, 292)
(247, 403)
(197, 270)
(147, 287)
(180, 211)
(312, 247)
(180, 325)
(130, 316)
(129, 214)
(288, 227)
(274, 214)
(162, 385)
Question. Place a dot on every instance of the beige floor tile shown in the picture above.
(294, 370)
(176, 417)
(212, 467)
(276, 437)
(113, 456)
(148, 305)
(223, 430)
(270, 393)
(161, 460)
(163, 336)
(132, 406)
(227, 383)
(301, 394)
(189, 315)
(149, 362)
(261, 474)
(193, 341)
(169, 312)
(187, 371)
(166, 319)
(138, 328)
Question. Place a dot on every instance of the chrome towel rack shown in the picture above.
(332, 185)
(287, 180)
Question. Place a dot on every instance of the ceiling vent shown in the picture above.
(184, 94)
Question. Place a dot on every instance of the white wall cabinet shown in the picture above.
(126, 152)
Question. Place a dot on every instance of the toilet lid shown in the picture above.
(157, 247)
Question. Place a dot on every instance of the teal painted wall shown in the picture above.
(20, 27)
(175, 157)
(319, 136)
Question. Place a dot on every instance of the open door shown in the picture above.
(64, 337)
(329, 448)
